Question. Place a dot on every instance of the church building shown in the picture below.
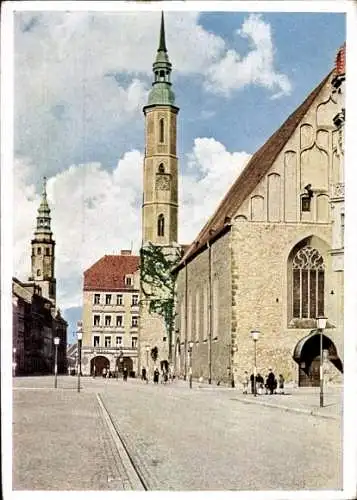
(270, 259)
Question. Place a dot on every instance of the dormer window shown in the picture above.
(128, 280)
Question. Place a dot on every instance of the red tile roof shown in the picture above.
(252, 174)
(109, 272)
(340, 63)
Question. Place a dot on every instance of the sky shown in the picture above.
(81, 80)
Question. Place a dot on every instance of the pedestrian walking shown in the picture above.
(125, 374)
(260, 384)
(245, 383)
(143, 374)
(271, 382)
(104, 372)
(281, 384)
(156, 376)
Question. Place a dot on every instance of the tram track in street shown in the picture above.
(135, 476)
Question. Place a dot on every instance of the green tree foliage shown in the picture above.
(158, 283)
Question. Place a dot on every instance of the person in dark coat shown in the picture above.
(156, 376)
(143, 374)
(252, 383)
(271, 382)
(125, 374)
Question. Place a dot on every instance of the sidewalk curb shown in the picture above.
(313, 412)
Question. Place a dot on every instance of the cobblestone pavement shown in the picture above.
(57, 433)
(180, 439)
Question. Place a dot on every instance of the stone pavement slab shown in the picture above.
(60, 442)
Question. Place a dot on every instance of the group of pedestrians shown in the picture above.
(166, 376)
(257, 385)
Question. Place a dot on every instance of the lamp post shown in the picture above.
(79, 344)
(233, 350)
(190, 346)
(14, 361)
(56, 341)
(321, 325)
(255, 336)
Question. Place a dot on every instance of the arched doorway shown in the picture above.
(98, 364)
(125, 362)
(307, 355)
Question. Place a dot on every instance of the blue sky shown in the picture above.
(237, 76)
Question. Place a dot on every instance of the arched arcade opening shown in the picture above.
(307, 355)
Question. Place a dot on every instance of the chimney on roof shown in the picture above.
(125, 252)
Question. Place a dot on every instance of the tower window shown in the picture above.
(161, 225)
(161, 130)
(47, 251)
(161, 168)
(38, 251)
(38, 272)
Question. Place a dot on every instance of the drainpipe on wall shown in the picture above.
(209, 315)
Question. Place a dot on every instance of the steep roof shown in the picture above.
(108, 273)
(254, 171)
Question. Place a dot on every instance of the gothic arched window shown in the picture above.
(161, 168)
(308, 283)
(161, 225)
(161, 130)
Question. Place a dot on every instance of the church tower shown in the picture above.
(160, 198)
(43, 251)
(159, 214)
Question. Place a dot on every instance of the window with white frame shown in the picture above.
(134, 321)
(108, 299)
(128, 280)
(96, 320)
(96, 298)
(119, 321)
(96, 340)
(135, 300)
(119, 341)
(107, 341)
(134, 342)
(107, 320)
(119, 300)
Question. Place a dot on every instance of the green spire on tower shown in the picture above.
(43, 217)
(162, 45)
(161, 92)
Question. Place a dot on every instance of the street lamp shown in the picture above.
(255, 336)
(190, 346)
(56, 341)
(233, 350)
(321, 325)
(79, 344)
(14, 361)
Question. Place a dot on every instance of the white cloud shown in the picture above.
(233, 71)
(212, 170)
(95, 212)
(81, 78)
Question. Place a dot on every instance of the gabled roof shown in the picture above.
(252, 174)
(108, 273)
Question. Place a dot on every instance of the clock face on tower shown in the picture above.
(163, 182)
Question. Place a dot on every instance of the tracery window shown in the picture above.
(161, 225)
(308, 283)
